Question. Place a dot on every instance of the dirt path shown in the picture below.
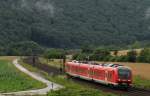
(50, 85)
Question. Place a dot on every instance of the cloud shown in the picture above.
(40, 5)
(147, 14)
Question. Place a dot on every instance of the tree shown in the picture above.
(132, 56)
(100, 54)
(87, 49)
(135, 45)
(82, 57)
(54, 54)
(27, 48)
(144, 55)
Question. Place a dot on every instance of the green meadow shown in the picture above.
(12, 80)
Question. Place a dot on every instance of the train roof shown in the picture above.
(103, 64)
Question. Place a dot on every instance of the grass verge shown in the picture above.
(138, 81)
(12, 80)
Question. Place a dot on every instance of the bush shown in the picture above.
(132, 56)
(54, 54)
(82, 57)
(107, 58)
(75, 56)
(144, 56)
(113, 58)
(123, 59)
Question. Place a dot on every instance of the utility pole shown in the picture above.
(34, 56)
(64, 61)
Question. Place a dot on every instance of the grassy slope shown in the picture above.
(12, 79)
(71, 88)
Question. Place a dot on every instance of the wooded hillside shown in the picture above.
(73, 23)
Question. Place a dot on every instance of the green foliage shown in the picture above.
(54, 54)
(13, 80)
(80, 92)
(73, 23)
(82, 57)
(74, 89)
(87, 49)
(74, 57)
(27, 48)
(101, 54)
(94, 54)
(141, 82)
(123, 59)
(136, 45)
(144, 55)
(132, 56)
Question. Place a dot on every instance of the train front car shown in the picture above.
(124, 77)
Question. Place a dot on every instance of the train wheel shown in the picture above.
(111, 86)
(124, 87)
(127, 87)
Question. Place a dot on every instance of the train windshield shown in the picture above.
(124, 73)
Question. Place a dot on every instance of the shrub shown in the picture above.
(132, 56)
(144, 56)
(54, 54)
(112, 58)
(82, 56)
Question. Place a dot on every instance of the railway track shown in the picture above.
(130, 92)
(120, 92)
(138, 92)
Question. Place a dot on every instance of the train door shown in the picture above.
(90, 71)
(110, 76)
(106, 75)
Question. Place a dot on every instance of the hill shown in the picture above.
(72, 23)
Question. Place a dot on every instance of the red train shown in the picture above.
(109, 74)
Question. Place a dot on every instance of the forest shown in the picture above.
(73, 23)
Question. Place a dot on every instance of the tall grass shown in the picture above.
(141, 82)
(74, 89)
(12, 79)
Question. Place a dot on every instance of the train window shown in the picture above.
(97, 73)
(124, 73)
(90, 72)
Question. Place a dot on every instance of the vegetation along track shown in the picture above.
(56, 71)
(130, 92)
